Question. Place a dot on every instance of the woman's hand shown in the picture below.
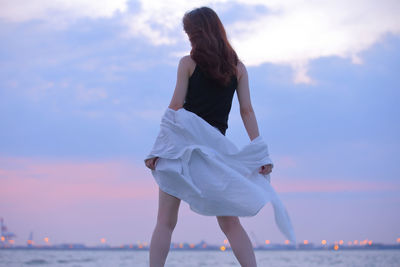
(151, 163)
(265, 169)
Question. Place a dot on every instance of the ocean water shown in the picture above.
(109, 258)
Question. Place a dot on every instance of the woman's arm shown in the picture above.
(178, 97)
(247, 112)
(246, 109)
(182, 82)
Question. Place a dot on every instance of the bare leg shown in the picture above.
(167, 218)
(238, 239)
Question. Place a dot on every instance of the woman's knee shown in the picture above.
(228, 223)
(167, 222)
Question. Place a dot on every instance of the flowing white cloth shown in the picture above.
(204, 168)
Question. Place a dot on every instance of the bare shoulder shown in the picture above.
(241, 68)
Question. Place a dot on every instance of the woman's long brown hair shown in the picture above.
(210, 46)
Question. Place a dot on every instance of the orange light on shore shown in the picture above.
(398, 240)
(3, 238)
(225, 241)
(46, 239)
(103, 240)
(305, 242)
(11, 241)
(286, 241)
(181, 245)
(370, 242)
(323, 242)
(355, 242)
(30, 242)
(341, 242)
(222, 248)
(267, 242)
(349, 243)
(204, 245)
(336, 247)
(191, 245)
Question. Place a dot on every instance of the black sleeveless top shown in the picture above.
(209, 100)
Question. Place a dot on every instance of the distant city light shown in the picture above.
(349, 243)
(222, 248)
(225, 241)
(355, 242)
(370, 242)
(323, 242)
(103, 240)
(398, 240)
(46, 239)
(341, 242)
(286, 241)
(267, 242)
(305, 242)
(336, 247)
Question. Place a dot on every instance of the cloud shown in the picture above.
(74, 181)
(87, 95)
(59, 11)
(160, 22)
(289, 33)
(66, 181)
(308, 185)
(295, 32)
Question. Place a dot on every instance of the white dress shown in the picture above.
(204, 168)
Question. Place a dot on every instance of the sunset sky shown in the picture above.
(83, 86)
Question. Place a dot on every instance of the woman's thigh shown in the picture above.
(228, 223)
(168, 207)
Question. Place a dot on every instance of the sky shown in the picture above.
(83, 86)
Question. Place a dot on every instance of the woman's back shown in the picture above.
(209, 100)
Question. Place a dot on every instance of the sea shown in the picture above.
(282, 258)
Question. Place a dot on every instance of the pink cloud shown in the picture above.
(29, 182)
(283, 184)
(323, 184)
(67, 181)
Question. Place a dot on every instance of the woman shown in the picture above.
(206, 81)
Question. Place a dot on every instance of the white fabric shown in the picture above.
(204, 168)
